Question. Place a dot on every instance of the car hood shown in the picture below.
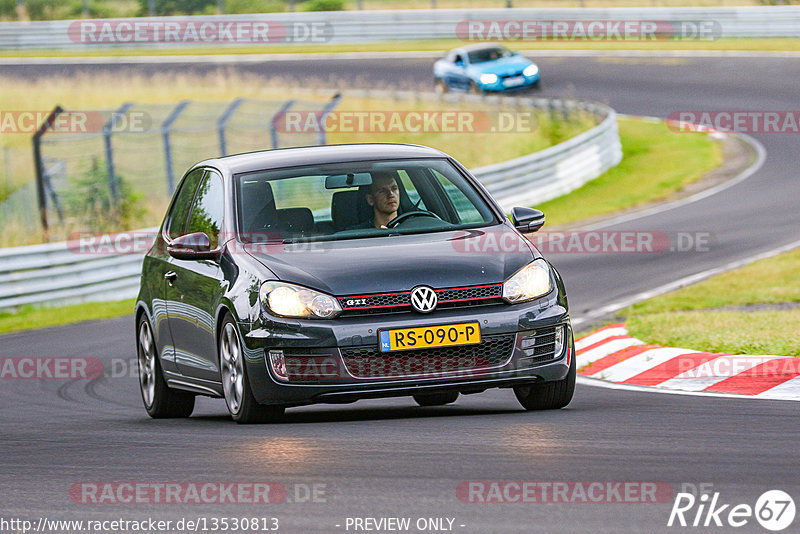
(398, 263)
(502, 67)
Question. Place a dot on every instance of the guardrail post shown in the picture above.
(223, 121)
(321, 138)
(273, 130)
(39, 164)
(107, 131)
(165, 127)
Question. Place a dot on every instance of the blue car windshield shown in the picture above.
(488, 54)
(356, 200)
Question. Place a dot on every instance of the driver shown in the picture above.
(384, 197)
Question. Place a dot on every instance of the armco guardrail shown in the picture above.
(559, 169)
(379, 26)
(66, 272)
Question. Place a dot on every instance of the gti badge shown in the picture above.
(423, 299)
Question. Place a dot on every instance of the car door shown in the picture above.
(174, 226)
(457, 73)
(461, 79)
(195, 287)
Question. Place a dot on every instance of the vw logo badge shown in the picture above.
(423, 299)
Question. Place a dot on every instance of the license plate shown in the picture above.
(513, 82)
(423, 337)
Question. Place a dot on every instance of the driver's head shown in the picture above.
(384, 197)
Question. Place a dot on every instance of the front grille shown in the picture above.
(401, 302)
(369, 362)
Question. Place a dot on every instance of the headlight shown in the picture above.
(530, 70)
(289, 300)
(530, 282)
(488, 79)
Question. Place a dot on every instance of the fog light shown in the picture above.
(278, 364)
(559, 341)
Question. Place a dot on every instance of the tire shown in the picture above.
(473, 89)
(160, 401)
(550, 395)
(436, 399)
(242, 405)
(440, 87)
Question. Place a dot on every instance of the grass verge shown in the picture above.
(656, 163)
(33, 318)
(736, 312)
(772, 44)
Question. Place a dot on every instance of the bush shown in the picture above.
(254, 6)
(179, 7)
(88, 200)
(324, 5)
(44, 9)
(8, 9)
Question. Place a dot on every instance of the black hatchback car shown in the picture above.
(335, 273)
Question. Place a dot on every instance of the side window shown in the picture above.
(183, 201)
(208, 209)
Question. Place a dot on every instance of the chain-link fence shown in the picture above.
(106, 170)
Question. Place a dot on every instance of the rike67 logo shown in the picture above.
(774, 510)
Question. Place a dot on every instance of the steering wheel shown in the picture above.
(405, 216)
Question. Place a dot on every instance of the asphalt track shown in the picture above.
(390, 458)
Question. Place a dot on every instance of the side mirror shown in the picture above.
(196, 246)
(527, 220)
(459, 63)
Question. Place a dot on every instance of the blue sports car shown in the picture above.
(484, 67)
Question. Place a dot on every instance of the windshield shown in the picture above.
(355, 200)
(488, 54)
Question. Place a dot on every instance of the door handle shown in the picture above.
(171, 276)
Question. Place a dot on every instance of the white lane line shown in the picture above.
(714, 371)
(605, 349)
(761, 156)
(640, 363)
(594, 382)
(591, 339)
(685, 281)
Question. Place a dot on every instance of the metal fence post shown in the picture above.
(7, 162)
(165, 127)
(223, 121)
(321, 138)
(273, 130)
(39, 164)
(107, 131)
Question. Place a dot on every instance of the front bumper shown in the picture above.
(500, 85)
(328, 376)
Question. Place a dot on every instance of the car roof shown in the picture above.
(478, 46)
(318, 155)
